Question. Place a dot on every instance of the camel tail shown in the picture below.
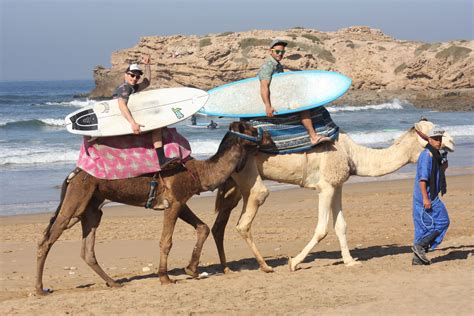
(228, 196)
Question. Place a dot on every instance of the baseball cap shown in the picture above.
(134, 68)
(436, 131)
(278, 41)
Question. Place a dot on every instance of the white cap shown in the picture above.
(135, 69)
(436, 131)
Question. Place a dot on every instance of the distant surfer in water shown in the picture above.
(130, 86)
(271, 66)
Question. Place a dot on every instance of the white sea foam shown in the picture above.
(204, 148)
(73, 103)
(460, 130)
(53, 122)
(378, 137)
(34, 155)
(394, 105)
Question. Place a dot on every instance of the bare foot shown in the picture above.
(317, 139)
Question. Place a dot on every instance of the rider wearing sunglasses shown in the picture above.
(271, 66)
(131, 85)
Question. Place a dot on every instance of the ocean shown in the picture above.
(37, 152)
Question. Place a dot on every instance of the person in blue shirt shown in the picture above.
(430, 216)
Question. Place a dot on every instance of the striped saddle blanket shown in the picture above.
(290, 136)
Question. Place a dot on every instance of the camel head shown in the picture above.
(422, 128)
(249, 135)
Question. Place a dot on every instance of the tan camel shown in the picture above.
(82, 197)
(325, 168)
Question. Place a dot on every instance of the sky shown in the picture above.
(67, 39)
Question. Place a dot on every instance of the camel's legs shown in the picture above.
(325, 200)
(169, 222)
(74, 204)
(90, 222)
(202, 231)
(340, 227)
(224, 205)
(254, 193)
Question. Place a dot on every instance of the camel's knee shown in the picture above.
(320, 234)
(260, 195)
(203, 230)
(166, 247)
(243, 230)
(340, 227)
(89, 258)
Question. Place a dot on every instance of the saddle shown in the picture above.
(290, 136)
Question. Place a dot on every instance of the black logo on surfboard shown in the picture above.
(84, 121)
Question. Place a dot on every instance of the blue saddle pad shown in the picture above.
(290, 136)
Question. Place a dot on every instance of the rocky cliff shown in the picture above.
(380, 66)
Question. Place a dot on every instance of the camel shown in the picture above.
(82, 197)
(325, 168)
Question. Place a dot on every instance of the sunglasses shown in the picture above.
(133, 75)
(278, 51)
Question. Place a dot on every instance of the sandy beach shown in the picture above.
(380, 230)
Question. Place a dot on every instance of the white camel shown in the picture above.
(325, 169)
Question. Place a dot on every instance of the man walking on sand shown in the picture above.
(271, 66)
(430, 216)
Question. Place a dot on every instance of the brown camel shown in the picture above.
(82, 197)
(325, 168)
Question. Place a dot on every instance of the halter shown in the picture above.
(255, 139)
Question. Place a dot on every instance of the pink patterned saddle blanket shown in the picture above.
(128, 156)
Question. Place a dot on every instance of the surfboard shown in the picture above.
(290, 92)
(152, 108)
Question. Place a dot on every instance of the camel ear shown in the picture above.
(241, 127)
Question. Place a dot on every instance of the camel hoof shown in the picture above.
(353, 263)
(191, 273)
(43, 292)
(267, 269)
(113, 284)
(291, 265)
(167, 281)
(228, 270)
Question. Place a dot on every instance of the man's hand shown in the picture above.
(427, 204)
(136, 128)
(146, 59)
(269, 110)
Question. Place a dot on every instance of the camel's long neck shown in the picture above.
(217, 169)
(368, 162)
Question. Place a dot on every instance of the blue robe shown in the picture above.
(427, 222)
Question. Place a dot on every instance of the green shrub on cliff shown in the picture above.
(400, 68)
(225, 34)
(420, 49)
(251, 41)
(205, 42)
(455, 52)
(311, 37)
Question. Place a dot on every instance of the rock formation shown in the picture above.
(380, 66)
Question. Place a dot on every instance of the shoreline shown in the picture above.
(274, 186)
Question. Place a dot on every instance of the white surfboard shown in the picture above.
(290, 92)
(152, 108)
